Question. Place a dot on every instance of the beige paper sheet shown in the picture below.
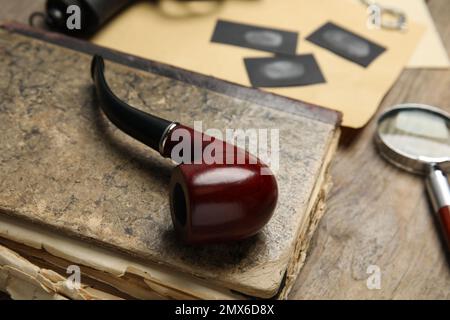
(430, 52)
(179, 34)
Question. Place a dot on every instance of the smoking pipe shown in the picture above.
(220, 196)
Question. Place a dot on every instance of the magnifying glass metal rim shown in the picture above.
(414, 164)
(436, 180)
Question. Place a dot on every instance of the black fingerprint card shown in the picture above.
(346, 44)
(284, 71)
(254, 37)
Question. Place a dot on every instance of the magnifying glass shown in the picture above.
(416, 138)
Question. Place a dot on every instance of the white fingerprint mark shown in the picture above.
(347, 43)
(263, 38)
(282, 70)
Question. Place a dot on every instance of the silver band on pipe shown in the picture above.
(162, 142)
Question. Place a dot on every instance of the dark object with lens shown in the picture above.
(93, 14)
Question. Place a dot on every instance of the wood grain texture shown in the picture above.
(377, 214)
(19, 10)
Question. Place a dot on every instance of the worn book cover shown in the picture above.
(76, 190)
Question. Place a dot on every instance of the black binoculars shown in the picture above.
(61, 15)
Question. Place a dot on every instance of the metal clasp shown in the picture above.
(385, 17)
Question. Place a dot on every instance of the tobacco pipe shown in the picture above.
(221, 196)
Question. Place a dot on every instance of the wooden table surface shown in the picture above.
(378, 217)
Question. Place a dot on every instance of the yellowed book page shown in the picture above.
(22, 280)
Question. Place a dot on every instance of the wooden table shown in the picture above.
(377, 215)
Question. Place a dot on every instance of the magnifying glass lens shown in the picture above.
(416, 133)
(417, 138)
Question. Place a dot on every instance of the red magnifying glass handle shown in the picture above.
(444, 216)
(439, 191)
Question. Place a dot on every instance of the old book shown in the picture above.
(76, 190)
